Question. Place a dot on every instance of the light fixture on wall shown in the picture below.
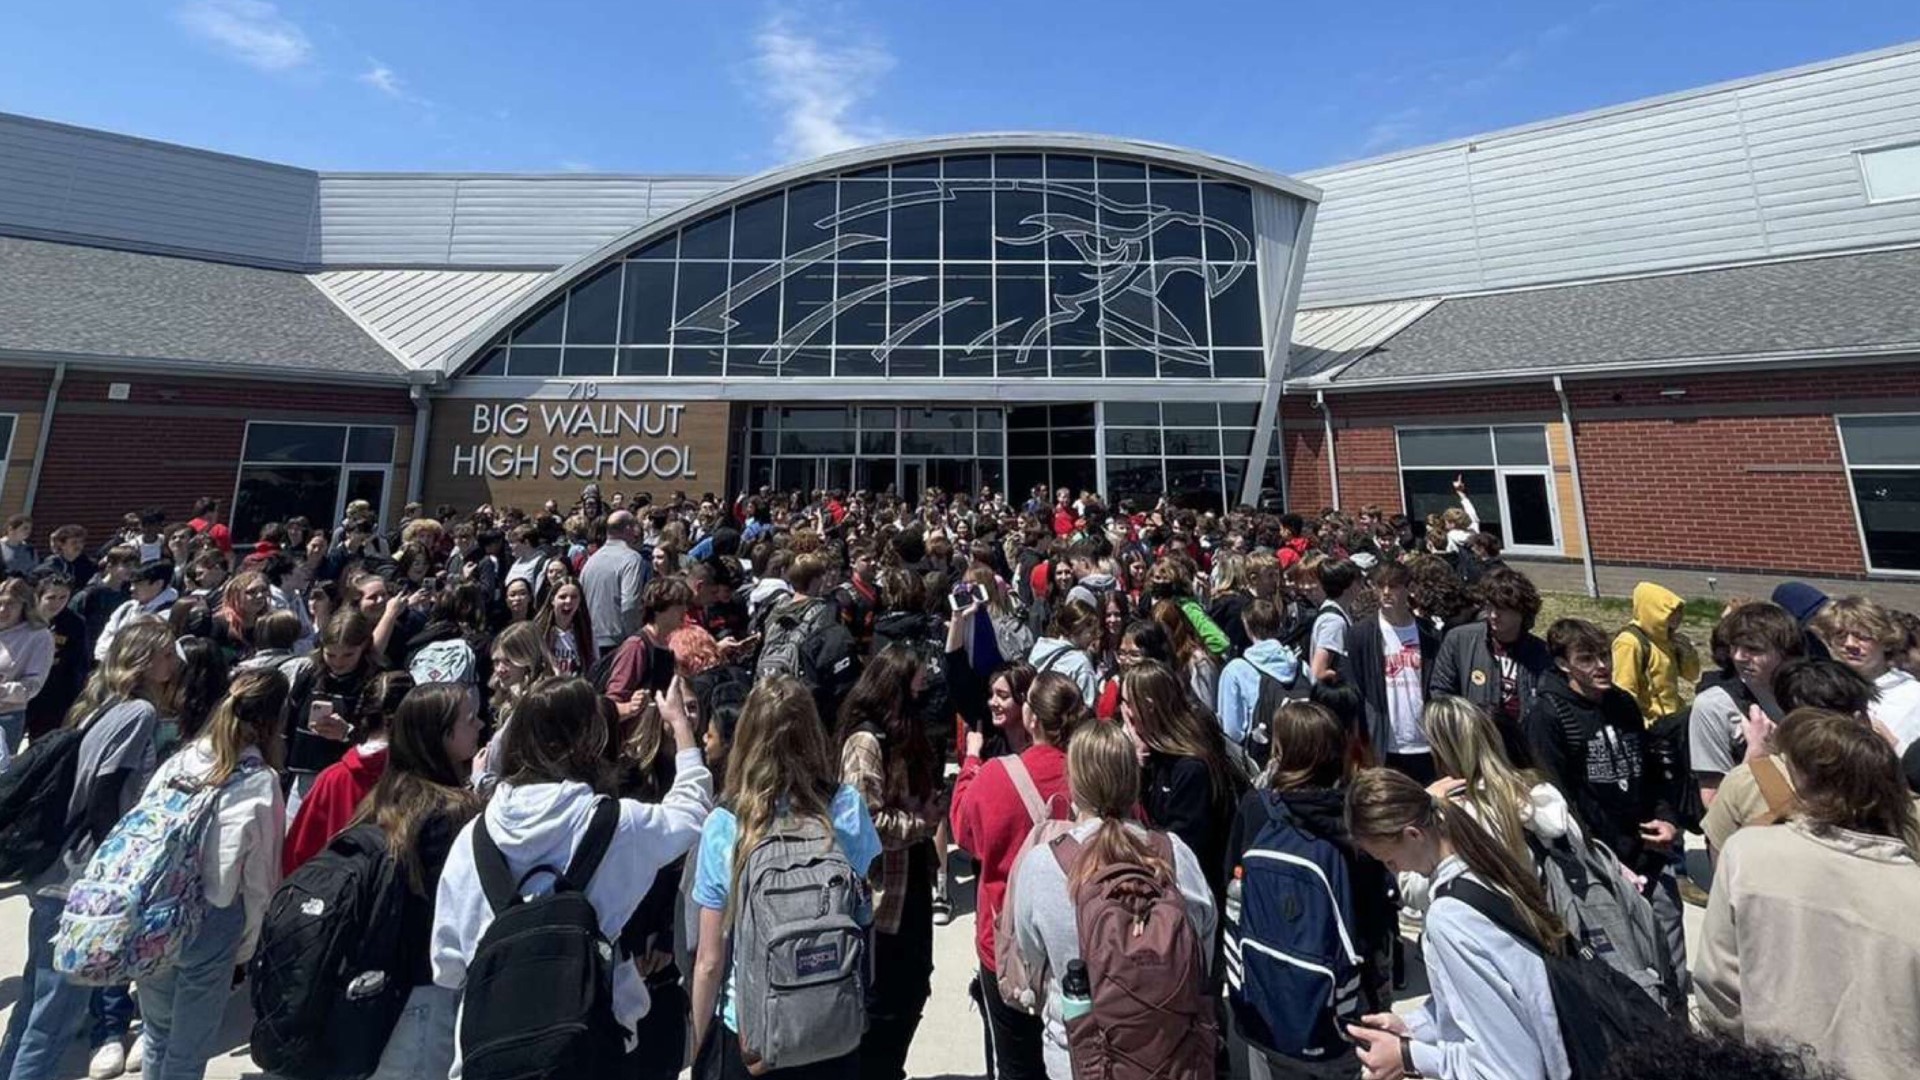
(1674, 393)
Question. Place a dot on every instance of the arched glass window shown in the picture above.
(1003, 265)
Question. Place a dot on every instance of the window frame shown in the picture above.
(343, 466)
(1500, 474)
(6, 451)
(1847, 469)
(1860, 156)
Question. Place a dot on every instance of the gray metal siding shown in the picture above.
(505, 221)
(1741, 172)
(424, 313)
(69, 182)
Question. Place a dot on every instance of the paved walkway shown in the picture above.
(948, 1046)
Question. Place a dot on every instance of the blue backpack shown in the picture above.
(1293, 972)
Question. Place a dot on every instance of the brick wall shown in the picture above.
(1741, 472)
(174, 440)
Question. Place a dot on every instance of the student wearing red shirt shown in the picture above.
(991, 821)
(206, 522)
(338, 790)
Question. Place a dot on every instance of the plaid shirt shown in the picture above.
(863, 766)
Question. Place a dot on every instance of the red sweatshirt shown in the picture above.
(991, 823)
(336, 794)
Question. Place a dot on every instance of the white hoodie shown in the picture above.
(539, 825)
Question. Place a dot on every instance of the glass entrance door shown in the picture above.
(913, 478)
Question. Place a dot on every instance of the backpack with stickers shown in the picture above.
(449, 661)
(140, 899)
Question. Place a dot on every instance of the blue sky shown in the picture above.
(716, 86)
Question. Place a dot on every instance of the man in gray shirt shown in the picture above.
(611, 581)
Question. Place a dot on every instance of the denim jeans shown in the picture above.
(421, 1046)
(13, 727)
(112, 1011)
(49, 1011)
(184, 1004)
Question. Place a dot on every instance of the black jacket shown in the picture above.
(72, 660)
(1598, 755)
(1466, 667)
(1364, 668)
(1178, 795)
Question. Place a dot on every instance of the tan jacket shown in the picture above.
(1811, 937)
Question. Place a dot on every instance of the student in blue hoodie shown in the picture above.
(1240, 682)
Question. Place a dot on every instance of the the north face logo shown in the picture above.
(314, 907)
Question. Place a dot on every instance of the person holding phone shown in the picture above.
(1491, 1012)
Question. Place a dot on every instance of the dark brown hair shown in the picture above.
(420, 781)
(1309, 748)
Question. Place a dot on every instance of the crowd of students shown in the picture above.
(612, 788)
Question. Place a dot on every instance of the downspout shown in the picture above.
(46, 433)
(1579, 492)
(417, 463)
(1333, 456)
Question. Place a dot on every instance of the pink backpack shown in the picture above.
(1019, 987)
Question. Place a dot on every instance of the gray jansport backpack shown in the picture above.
(1587, 886)
(800, 952)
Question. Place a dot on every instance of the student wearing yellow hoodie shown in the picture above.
(1650, 657)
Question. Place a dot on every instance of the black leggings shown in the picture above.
(662, 1045)
(902, 976)
(1013, 1038)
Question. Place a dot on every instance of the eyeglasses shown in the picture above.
(256, 594)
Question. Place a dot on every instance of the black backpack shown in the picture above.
(720, 692)
(1600, 1011)
(1273, 694)
(330, 978)
(35, 796)
(601, 673)
(539, 994)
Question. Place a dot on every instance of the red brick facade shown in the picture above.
(174, 439)
(1741, 471)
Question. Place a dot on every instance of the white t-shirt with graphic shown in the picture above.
(1400, 650)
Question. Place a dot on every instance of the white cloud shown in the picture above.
(251, 31)
(382, 78)
(818, 88)
(1393, 131)
(577, 166)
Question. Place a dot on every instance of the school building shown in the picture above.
(1676, 336)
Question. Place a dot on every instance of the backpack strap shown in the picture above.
(502, 889)
(1053, 658)
(1781, 801)
(1498, 909)
(1066, 852)
(1023, 783)
(593, 847)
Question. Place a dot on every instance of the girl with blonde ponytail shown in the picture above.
(1103, 772)
(1491, 1012)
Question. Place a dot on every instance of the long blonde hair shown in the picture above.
(1467, 746)
(1104, 776)
(780, 763)
(122, 676)
(248, 716)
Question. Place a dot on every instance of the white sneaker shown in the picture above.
(138, 1055)
(109, 1061)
